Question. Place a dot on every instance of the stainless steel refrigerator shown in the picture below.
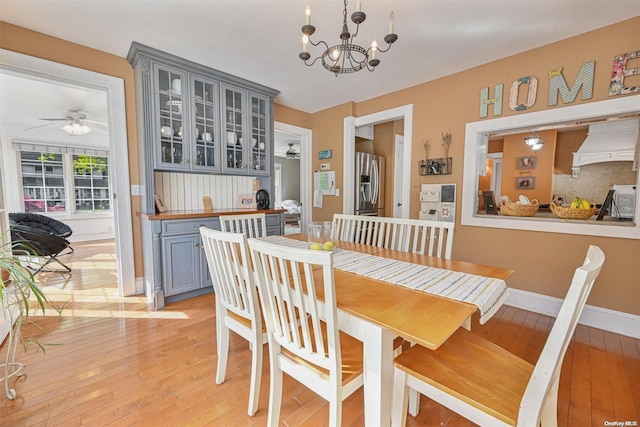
(369, 186)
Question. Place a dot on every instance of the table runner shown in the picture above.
(487, 293)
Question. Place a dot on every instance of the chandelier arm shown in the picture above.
(384, 50)
(311, 64)
(326, 46)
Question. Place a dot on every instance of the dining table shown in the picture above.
(377, 311)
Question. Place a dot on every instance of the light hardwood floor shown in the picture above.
(114, 361)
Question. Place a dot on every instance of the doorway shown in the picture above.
(350, 123)
(113, 88)
(304, 137)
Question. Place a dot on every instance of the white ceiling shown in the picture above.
(260, 40)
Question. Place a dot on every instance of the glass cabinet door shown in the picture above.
(206, 135)
(173, 152)
(260, 134)
(234, 104)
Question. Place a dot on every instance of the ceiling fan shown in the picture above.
(75, 122)
(291, 153)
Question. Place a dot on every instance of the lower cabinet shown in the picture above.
(184, 266)
(184, 272)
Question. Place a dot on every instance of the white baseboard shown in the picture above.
(596, 317)
(140, 285)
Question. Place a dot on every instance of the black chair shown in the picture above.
(41, 236)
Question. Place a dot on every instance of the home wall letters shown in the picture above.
(558, 84)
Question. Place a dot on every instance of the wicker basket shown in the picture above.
(572, 213)
(517, 209)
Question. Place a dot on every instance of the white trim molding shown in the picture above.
(404, 112)
(596, 317)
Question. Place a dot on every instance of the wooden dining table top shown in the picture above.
(417, 316)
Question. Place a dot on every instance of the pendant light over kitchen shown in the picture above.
(534, 141)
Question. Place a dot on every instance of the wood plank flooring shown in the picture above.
(113, 361)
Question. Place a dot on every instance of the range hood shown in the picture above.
(608, 142)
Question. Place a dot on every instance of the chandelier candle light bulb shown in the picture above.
(307, 13)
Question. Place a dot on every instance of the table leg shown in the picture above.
(378, 375)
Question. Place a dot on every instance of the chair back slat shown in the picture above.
(229, 265)
(545, 376)
(293, 315)
(433, 238)
(252, 225)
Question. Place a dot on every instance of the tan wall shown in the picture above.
(514, 149)
(567, 144)
(39, 45)
(543, 262)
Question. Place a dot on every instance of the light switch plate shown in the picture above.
(325, 166)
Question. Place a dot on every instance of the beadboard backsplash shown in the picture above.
(183, 191)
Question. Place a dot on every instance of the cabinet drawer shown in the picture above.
(188, 226)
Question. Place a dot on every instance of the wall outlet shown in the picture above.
(135, 190)
(337, 192)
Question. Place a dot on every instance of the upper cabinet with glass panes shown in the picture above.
(247, 124)
(198, 119)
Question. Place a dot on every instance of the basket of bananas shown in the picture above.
(580, 209)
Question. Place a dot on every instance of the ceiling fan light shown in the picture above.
(76, 129)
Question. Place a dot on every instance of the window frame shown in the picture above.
(68, 172)
(475, 154)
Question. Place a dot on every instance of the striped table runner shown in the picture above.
(486, 293)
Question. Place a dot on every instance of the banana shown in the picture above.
(580, 203)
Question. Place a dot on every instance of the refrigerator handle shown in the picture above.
(375, 182)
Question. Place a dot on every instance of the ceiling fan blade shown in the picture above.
(46, 124)
(59, 119)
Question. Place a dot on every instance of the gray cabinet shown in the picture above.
(179, 265)
(195, 119)
(247, 131)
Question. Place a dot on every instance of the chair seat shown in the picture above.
(473, 370)
(243, 320)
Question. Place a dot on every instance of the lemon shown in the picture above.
(328, 246)
(315, 247)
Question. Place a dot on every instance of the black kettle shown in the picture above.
(262, 199)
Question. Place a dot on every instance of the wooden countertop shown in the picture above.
(201, 213)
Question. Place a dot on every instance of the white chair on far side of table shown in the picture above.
(487, 384)
(252, 225)
(237, 306)
(432, 238)
(304, 340)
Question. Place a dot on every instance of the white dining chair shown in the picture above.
(313, 351)
(237, 306)
(487, 384)
(424, 237)
(252, 225)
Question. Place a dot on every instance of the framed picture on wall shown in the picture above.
(525, 183)
(526, 163)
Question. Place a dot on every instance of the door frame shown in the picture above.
(306, 173)
(348, 181)
(118, 146)
(398, 177)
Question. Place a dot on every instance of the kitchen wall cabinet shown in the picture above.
(196, 119)
(248, 124)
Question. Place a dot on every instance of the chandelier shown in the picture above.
(534, 141)
(345, 57)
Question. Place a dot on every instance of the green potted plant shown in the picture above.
(17, 284)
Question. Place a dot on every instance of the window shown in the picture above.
(58, 181)
(91, 180)
(42, 181)
(475, 155)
